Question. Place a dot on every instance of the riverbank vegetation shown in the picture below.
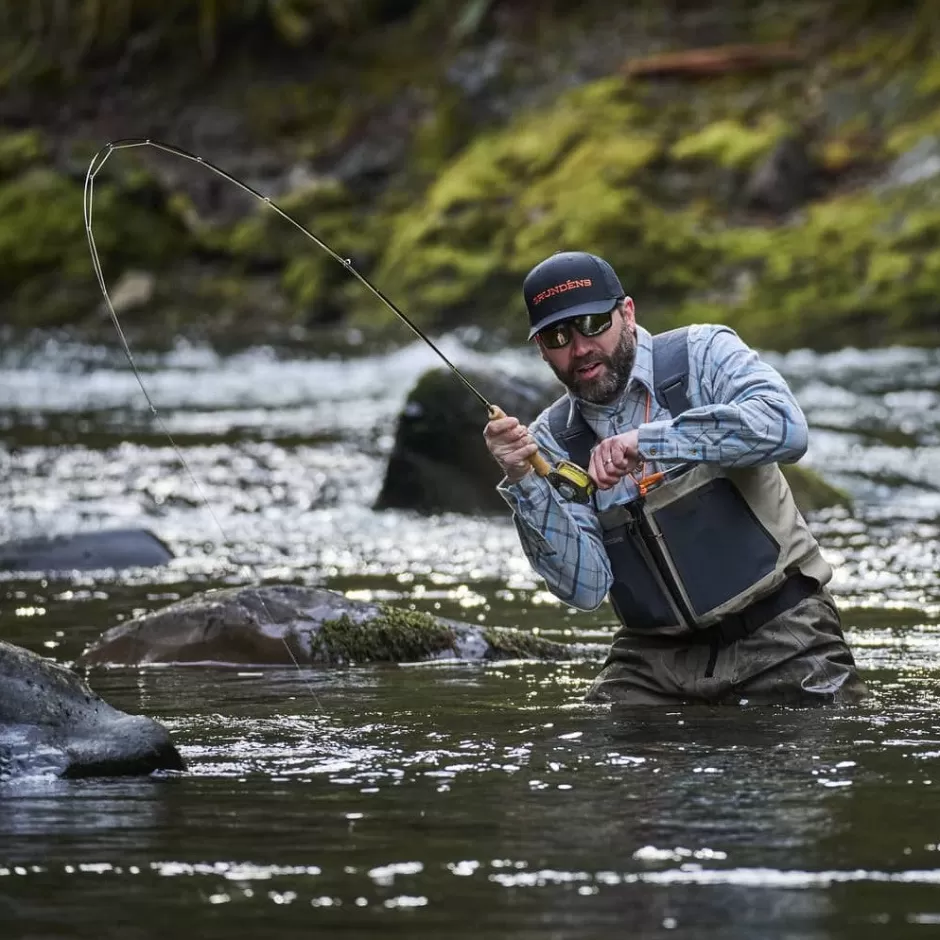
(773, 166)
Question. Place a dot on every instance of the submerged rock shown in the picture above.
(287, 624)
(51, 722)
(439, 461)
(85, 551)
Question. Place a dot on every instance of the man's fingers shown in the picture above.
(500, 426)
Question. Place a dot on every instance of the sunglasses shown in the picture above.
(558, 335)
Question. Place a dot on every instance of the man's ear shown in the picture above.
(629, 312)
(540, 347)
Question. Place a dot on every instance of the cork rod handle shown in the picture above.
(539, 464)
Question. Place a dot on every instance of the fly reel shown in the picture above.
(572, 482)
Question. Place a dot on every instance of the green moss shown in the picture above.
(311, 279)
(576, 173)
(730, 144)
(907, 135)
(20, 151)
(518, 644)
(646, 173)
(858, 269)
(42, 230)
(395, 636)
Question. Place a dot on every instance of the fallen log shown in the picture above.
(717, 60)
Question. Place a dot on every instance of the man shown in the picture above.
(718, 583)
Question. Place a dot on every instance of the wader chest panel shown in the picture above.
(716, 543)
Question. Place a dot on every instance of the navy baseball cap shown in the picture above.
(568, 284)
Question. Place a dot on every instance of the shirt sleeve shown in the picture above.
(743, 412)
(562, 540)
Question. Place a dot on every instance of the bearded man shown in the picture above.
(688, 524)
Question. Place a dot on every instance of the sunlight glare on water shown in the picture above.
(451, 800)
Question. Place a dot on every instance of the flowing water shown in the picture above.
(467, 800)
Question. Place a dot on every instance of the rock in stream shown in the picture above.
(52, 723)
(286, 624)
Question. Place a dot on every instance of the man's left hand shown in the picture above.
(613, 458)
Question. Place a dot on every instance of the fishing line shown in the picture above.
(568, 478)
(94, 167)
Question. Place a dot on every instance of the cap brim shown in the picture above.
(591, 306)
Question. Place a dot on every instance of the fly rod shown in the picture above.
(568, 478)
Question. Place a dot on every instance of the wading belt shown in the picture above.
(745, 622)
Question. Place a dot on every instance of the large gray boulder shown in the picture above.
(439, 461)
(52, 722)
(85, 551)
(287, 624)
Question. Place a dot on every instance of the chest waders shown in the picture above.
(710, 553)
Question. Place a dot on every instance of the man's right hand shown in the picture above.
(511, 445)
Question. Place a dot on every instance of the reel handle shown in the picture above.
(538, 463)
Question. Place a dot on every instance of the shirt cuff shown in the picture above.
(528, 493)
(659, 440)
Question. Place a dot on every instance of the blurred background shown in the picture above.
(773, 165)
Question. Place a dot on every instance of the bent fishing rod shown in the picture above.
(571, 480)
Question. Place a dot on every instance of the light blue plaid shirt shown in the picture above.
(742, 414)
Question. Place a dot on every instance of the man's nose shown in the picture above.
(579, 343)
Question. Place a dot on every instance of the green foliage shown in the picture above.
(42, 230)
(56, 36)
(730, 144)
(312, 280)
(646, 173)
(857, 269)
(19, 151)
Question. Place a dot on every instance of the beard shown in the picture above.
(612, 380)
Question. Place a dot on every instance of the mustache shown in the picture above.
(589, 360)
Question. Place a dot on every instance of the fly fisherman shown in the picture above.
(717, 582)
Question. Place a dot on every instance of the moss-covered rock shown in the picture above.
(811, 491)
(284, 624)
(394, 636)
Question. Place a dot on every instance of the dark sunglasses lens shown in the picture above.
(593, 324)
(555, 337)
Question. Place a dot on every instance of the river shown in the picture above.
(462, 800)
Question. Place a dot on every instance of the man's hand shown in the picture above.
(613, 458)
(511, 445)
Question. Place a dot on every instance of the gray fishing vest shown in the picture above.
(706, 544)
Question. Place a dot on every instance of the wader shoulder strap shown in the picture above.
(576, 438)
(671, 375)
(671, 369)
